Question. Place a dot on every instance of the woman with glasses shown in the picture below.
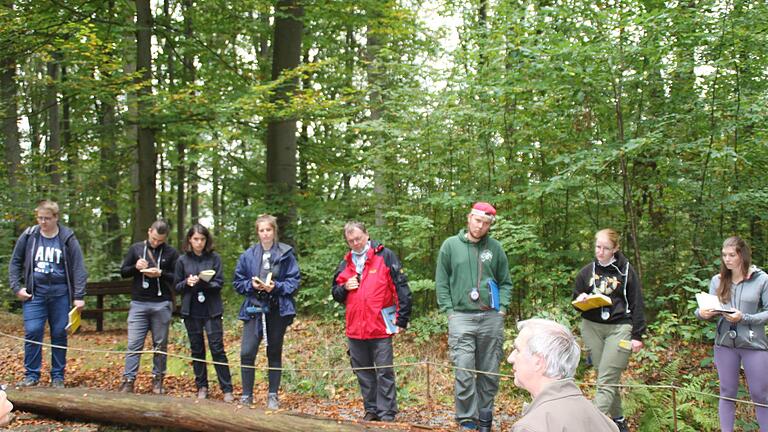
(267, 274)
(742, 289)
(614, 330)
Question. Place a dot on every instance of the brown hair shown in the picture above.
(726, 275)
(267, 218)
(198, 229)
(612, 235)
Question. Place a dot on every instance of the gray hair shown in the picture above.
(554, 343)
(352, 225)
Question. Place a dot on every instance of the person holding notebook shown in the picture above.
(740, 340)
(368, 280)
(47, 273)
(267, 275)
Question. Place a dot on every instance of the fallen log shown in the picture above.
(171, 412)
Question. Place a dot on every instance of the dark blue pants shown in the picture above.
(37, 311)
(214, 328)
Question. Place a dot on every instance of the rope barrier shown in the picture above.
(426, 363)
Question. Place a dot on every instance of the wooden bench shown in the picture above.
(110, 288)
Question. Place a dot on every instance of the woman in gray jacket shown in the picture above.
(740, 339)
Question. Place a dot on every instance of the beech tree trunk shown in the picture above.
(281, 132)
(146, 207)
(171, 412)
(53, 146)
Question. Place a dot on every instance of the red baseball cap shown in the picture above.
(483, 209)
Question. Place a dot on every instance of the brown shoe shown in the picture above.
(126, 386)
(157, 384)
(202, 393)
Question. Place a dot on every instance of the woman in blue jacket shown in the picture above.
(199, 279)
(267, 274)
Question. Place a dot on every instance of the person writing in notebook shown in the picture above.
(368, 280)
(151, 263)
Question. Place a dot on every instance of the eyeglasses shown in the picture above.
(44, 218)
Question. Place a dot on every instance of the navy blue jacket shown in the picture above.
(191, 264)
(22, 260)
(286, 278)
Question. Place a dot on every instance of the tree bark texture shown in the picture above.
(147, 199)
(281, 133)
(170, 412)
(53, 146)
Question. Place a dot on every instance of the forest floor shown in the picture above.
(425, 393)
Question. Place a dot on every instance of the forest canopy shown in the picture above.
(568, 116)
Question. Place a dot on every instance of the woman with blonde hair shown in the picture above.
(267, 275)
(611, 332)
(740, 338)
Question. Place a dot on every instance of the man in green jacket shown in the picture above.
(474, 288)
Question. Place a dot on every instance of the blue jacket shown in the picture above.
(286, 277)
(22, 260)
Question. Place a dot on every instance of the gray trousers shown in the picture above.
(377, 386)
(142, 318)
(610, 360)
(475, 341)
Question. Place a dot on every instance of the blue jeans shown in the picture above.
(37, 311)
(142, 318)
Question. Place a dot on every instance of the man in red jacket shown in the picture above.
(371, 284)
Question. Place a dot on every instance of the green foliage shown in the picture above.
(426, 327)
(654, 406)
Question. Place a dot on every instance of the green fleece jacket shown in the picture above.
(457, 273)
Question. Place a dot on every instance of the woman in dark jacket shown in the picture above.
(199, 280)
(611, 332)
(267, 274)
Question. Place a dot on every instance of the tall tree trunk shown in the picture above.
(53, 146)
(147, 157)
(281, 132)
(10, 125)
(374, 72)
(70, 149)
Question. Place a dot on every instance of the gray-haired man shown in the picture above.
(545, 358)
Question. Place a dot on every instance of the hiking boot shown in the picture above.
(246, 399)
(621, 422)
(126, 386)
(28, 382)
(369, 416)
(468, 425)
(387, 418)
(57, 383)
(229, 397)
(272, 402)
(202, 393)
(157, 384)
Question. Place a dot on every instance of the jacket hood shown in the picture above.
(462, 235)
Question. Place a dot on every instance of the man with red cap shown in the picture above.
(474, 288)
